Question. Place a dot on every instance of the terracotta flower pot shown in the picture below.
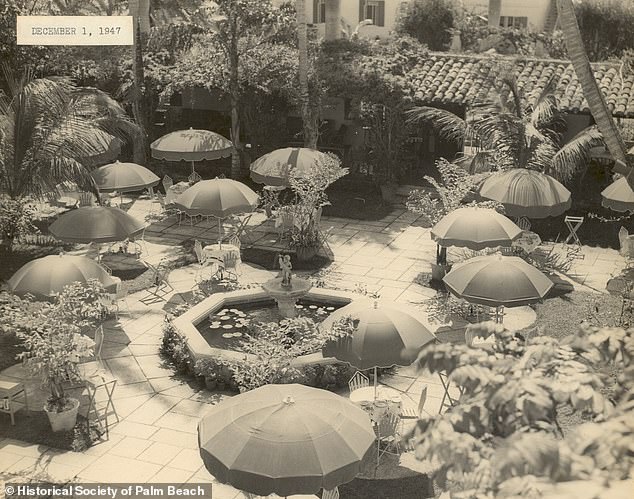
(305, 253)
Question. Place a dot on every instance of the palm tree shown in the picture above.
(48, 127)
(596, 100)
(333, 20)
(311, 131)
(510, 133)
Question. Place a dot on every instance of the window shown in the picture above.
(320, 16)
(374, 10)
(518, 22)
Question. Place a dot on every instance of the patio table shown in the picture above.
(174, 191)
(221, 252)
(388, 400)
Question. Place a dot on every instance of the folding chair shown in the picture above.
(230, 265)
(573, 224)
(523, 223)
(410, 413)
(96, 380)
(203, 262)
(447, 400)
(161, 286)
(122, 296)
(167, 183)
(388, 439)
(242, 230)
(330, 494)
(359, 380)
(139, 244)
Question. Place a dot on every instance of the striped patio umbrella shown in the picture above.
(496, 280)
(191, 145)
(475, 228)
(274, 168)
(96, 224)
(123, 177)
(48, 275)
(285, 439)
(527, 193)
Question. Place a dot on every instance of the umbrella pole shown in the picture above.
(193, 171)
(375, 382)
(219, 233)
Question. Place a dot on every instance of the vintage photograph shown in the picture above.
(334, 249)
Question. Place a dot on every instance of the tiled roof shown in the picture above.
(461, 79)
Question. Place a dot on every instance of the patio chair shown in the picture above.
(388, 438)
(447, 400)
(194, 177)
(284, 223)
(167, 208)
(161, 285)
(85, 199)
(410, 413)
(122, 296)
(230, 265)
(359, 380)
(242, 230)
(626, 250)
(167, 183)
(203, 262)
(330, 494)
(234, 240)
(140, 246)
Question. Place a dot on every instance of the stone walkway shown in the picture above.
(155, 441)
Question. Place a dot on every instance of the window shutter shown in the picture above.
(361, 10)
(315, 11)
(380, 17)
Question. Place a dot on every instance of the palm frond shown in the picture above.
(575, 154)
(545, 108)
(448, 125)
(481, 162)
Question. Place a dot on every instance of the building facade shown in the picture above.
(534, 15)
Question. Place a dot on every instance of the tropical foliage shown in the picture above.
(510, 132)
(48, 128)
(429, 21)
(504, 437)
(16, 218)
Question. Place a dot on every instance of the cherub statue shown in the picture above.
(286, 267)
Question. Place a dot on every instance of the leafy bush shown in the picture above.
(503, 438)
(174, 347)
(15, 220)
(429, 21)
(84, 303)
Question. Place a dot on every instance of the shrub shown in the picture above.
(174, 347)
(15, 220)
(429, 21)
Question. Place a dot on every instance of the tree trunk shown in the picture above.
(139, 10)
(309, 113)
(333, 20)
(596, 100)
(495, 8)
(234, 82)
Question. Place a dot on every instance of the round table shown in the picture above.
(222, 251)
(175, 190)
(388, 400)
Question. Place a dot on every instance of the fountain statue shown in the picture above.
(286, 267)
(285, 292)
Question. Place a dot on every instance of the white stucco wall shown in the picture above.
(535, 10)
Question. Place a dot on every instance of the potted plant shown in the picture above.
(305, 242)
(54, 355)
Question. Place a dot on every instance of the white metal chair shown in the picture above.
(122, 296)
(410, 413)
(194, 177)
(167, 183)
(359, 380)
(203, 262)
(284, 222)
(161, 286)
(234, 240)
(231, 265)
(330, 494)
(573, 224)
(626, 241)
(85, 199)
(388, 438)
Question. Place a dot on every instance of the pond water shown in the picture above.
(226, 328)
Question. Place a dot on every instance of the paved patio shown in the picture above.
(156, 438)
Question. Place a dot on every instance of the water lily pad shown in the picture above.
(330, 309)
(299, 306)
(225, 318)
(227, 335)
(214, 326)
(239, 325)
(234, 310)
(312, 307)
(227, 326)
(237, 335)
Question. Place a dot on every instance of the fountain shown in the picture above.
(286, 292)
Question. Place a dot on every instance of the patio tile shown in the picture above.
(99, 449)
(22, 448)
(191, 408)
(153, 409)
(164, 384)
(358, 270)
(74, 459)
(187, 459)
(383, 273)
(119, 470)
(8, 459)
(179, 422)
(131, 390)
(177, 438)
(126, 370)
(130, 447)
(223, 491)
(389, 293)
(394, 283)
(132, 429)
(139, 350)
(154, 366)
(171, 475)
(159, 453)
(44, 471)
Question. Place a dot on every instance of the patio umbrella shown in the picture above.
(285, 439)
(527, 193)
(96, 224)
(123, 177)
(475, 228)
(387, 334)
(48, 275)
(191, 145)
(619, 195)
(496, 280)
(219, 197)
(274, 168)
